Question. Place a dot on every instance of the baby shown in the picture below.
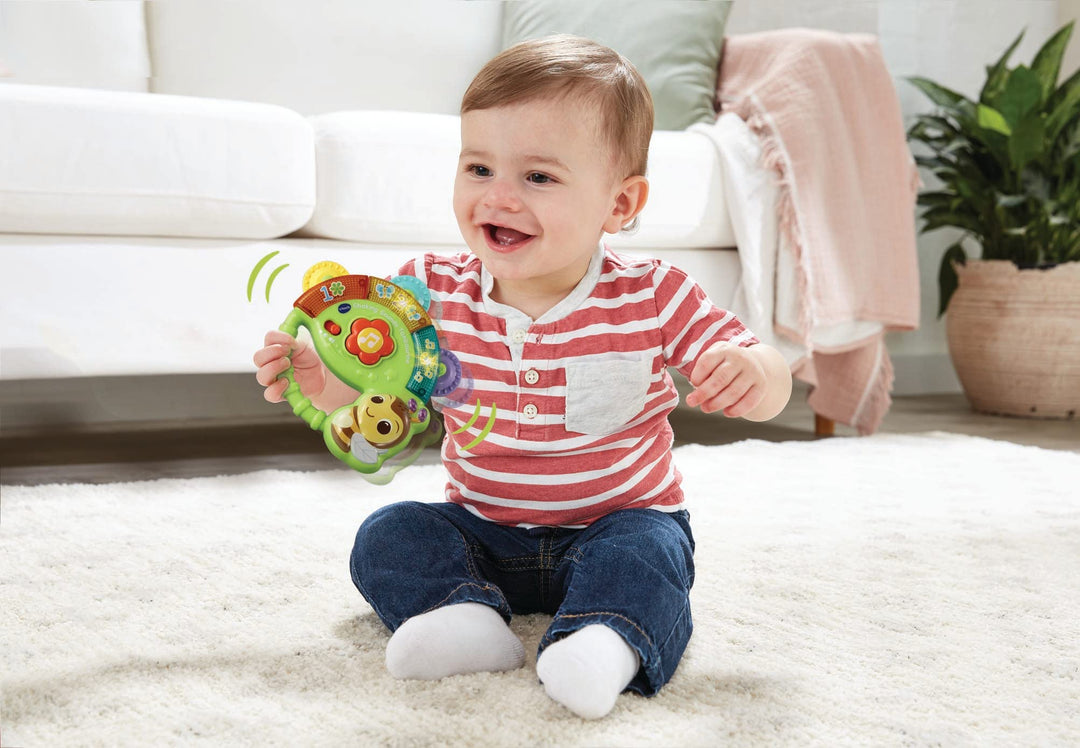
(562, 496)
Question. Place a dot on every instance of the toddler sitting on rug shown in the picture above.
(562, 497)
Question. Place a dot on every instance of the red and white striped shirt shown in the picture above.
(562, 420)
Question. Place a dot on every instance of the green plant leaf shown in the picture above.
(992, 119)
(1067, 146)
(1028, 141)
(1036, 185)
(947, 278)
(937, 218)
(929, 162)
(935, 131)
(942, 124)
(1062, 91)
(1023, 92)
(996, 74)
(936, 199)
(1063, 106)
(1047, 62)
(1010, 201)
(996, 150)
(943, 97)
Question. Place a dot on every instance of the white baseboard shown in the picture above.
(115, 401)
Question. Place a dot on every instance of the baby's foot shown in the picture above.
(462, 638)
(586, 671)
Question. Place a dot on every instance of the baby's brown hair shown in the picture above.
(571, 66)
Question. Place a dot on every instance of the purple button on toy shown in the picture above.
(451, 377)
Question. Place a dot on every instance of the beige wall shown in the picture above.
(1069, 10)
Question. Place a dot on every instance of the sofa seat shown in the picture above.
(121, 305)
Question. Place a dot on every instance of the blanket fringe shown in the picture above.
(878, 399)
(774, 158)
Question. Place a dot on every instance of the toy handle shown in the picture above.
(301, 405)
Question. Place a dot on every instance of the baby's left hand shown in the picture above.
(727, 377)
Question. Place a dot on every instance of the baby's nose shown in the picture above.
(501, 196)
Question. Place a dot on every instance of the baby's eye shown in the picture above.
(478, 170)
(538, 178)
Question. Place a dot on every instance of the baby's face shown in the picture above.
(534, 192)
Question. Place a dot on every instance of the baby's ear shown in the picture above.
(629, 201)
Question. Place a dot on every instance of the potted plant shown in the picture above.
(1009, 172)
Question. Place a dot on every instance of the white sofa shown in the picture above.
(138, 197)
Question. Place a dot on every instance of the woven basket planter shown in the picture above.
(1014, 338)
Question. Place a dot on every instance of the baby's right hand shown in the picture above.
(273, 360)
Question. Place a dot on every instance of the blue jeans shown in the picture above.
(631, 571)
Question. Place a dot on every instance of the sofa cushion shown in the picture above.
(110, 162)
(686, 206)
(325, 56)
(96, 45)
(388, 177)
(675, 44)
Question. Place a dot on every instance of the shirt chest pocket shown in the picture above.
(605, 394)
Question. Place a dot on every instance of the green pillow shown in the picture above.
(674, 44)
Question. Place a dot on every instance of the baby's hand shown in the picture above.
(727, 377)
(273, 360)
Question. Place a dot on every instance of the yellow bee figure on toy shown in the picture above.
(382, 420)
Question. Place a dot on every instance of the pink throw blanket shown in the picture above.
(824, 107)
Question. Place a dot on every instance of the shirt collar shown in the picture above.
(572, 301)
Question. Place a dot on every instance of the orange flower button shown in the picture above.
(369, 340)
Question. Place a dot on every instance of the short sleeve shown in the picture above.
(689, 321)
(417, 267)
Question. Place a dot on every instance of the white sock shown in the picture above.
(462, 638)
(587, 670)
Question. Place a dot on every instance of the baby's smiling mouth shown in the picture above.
(505, 237)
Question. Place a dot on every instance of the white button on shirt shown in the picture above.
(532, 376)
(518, 336)
(530, 411)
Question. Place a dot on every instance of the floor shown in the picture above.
(193, 449)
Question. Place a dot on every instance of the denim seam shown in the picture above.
(614, 615)
(470, 557)
(520, 563)
(545, 561)
(483, 588)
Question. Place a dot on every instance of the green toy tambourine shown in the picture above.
(376, 336)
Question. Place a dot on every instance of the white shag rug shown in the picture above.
(891, 590)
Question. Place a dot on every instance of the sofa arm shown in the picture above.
(81, 161)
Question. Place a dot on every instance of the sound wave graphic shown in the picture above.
(485, 431)
(269, 281)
